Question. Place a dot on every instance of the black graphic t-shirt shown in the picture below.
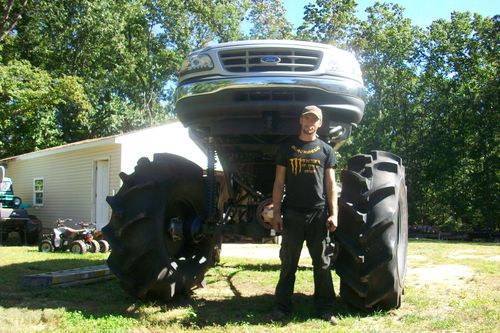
(305, 163)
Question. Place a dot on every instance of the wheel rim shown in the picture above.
(185, 211)
(46, 247)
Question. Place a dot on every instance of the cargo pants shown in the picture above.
(297, 228)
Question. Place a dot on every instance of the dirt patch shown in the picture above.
(454, 276)
(469, 254)
(255, 251)
(466, 256)
(417, 257)
(466, 251)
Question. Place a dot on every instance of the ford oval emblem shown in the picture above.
(270, 59)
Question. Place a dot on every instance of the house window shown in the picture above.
(38, 191)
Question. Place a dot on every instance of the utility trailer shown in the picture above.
(240, 101)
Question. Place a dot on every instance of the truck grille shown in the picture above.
(270, 60)
(269, 95)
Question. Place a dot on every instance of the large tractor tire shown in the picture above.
(155, 231)
(372, 234)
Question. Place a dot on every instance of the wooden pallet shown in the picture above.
(67, 278)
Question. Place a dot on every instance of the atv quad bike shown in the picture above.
(240, 101)
(77, 241)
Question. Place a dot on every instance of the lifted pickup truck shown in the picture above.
(241, 100)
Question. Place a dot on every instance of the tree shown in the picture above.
(268, 20)
(329, 21)
(38, 111)
(125, 51)
(11, 14)
(459, 101)
(386, 44)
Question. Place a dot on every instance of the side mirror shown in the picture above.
(2, 173)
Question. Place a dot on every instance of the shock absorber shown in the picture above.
(211, 205)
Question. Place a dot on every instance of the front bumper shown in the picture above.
(331, 85)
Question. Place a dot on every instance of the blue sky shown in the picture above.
(421, 12)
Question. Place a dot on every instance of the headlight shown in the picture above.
(345, 64)
(197, 62)
(17, 201)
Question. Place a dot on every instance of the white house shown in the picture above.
(73, 180)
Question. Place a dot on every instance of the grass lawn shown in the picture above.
(450, 287)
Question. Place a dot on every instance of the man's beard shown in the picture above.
(307, 131)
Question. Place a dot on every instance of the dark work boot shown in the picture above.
(277, 315)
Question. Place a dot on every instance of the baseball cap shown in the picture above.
(313, 109)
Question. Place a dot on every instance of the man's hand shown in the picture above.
(278, 190)
(331, 194)
(277, 223)
(331, 223)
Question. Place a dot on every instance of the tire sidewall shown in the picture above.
(46, 245)
(372, 233)
(401, 250)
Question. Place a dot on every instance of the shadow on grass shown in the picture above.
(97, 299)
(107, 298)
(256, 309)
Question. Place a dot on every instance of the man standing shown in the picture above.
(305, 171)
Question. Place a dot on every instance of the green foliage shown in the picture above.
(11, 14)
(38, 111)
(329, 21)
(387, 45)
(432, 99)
(458, 115)
(71, 70)
(124, 51)
(268, 20)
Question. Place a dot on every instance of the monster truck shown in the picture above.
(240, 100)
(15, 218)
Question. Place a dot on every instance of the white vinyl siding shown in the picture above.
(68, 180)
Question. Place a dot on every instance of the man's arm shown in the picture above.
(331, 198)
(278, 190)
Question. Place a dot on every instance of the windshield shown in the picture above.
(5, 186)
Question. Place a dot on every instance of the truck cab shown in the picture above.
(7, 197)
